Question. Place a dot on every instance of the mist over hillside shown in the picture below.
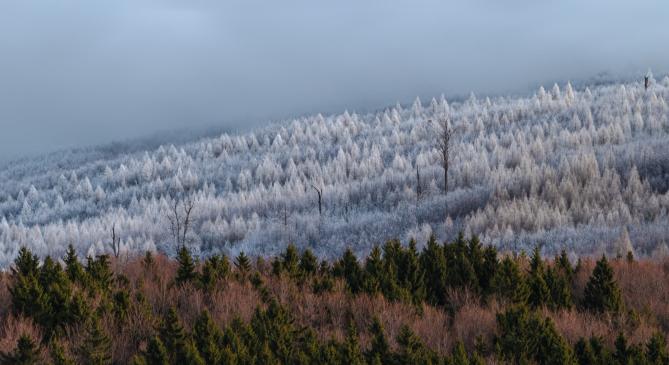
(583, 168)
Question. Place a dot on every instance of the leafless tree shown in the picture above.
(180, 220)
(116, 242)
(320, 198)
(444, 134)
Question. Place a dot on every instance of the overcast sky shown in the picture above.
(82, 72)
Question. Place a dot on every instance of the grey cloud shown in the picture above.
(77, 72)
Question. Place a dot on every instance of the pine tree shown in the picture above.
(215, 269)
(349, 269)
(171, 332)
(351, 349)
(433, 264)
(25, 353)
(74, 269)
(601, 292)
(509, 283)
(379, 349)
(539, 290)
(308, 262)
(25, 264)
(374, 272)
(560, 290)
(156, 353)
(208, 338)
(459, 355)
(243, 265)
(58, 355)
(186, 271)
(96, 348)
(656, 349)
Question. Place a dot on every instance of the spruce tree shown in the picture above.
(26, 263)
(25, 353)
(186, 271)
(601, 292)
(58, 355)
(351, 349)
(308, 262)
(374, 272)
(539, 290)
(74, 268)
(208, 338)
(96, 347)
(459, 355)
(379, 349)
(215, 269)
(433, 264)
(156, 353)
(509, 282)
(171, 332)
(656, 349)
(243, 265)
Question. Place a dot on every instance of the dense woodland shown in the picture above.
(583, 169)
(459, 302)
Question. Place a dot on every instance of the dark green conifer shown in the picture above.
(308, 262)
(509, 282)
(96, 347)
(656, 349)
(156, 353)
(215, 269)
(171, 332)
(433, 264)
(25, 264)
(208, 338)
(25, 353)
(601, 292)
(459, 355)
(74, 268)
(351, 349)
(379, 349)
(186, 271)
(243, 265)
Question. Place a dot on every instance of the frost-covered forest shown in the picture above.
(581, 169)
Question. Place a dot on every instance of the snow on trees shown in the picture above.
(567, 167)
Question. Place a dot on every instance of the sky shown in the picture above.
(84, 72)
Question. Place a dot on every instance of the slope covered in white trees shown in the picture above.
(583, 169)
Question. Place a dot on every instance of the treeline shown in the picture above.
(295, 309)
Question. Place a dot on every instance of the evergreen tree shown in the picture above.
(601, 292)
(351, 349)
(25, 264)
(379, 349)
(215, 269)
(308, 262)
(171, 332)
(25, 353)
(560, 290)
(96, 347)
(509, 283)
(186, 271)
(74, 269)
(459, 355)
(348, 268)
(58, 355)
(656, 350)
(243, 265)
(156, 353)
(433, 264)
(539, 290)
(374, 272)
(208, 338)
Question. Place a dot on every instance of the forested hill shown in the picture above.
(585, 170)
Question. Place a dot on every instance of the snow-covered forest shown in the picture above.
(585, 169)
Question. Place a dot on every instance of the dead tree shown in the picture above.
(646, 82)
(180, 220)
(320, 199)
(116, 242)
(444, 134)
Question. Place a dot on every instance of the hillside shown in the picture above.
(585, 170)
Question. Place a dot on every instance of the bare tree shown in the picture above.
(444, 134)
(320, 199)
(116, 242)
(180, 220)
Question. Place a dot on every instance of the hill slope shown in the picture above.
(586, 170)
